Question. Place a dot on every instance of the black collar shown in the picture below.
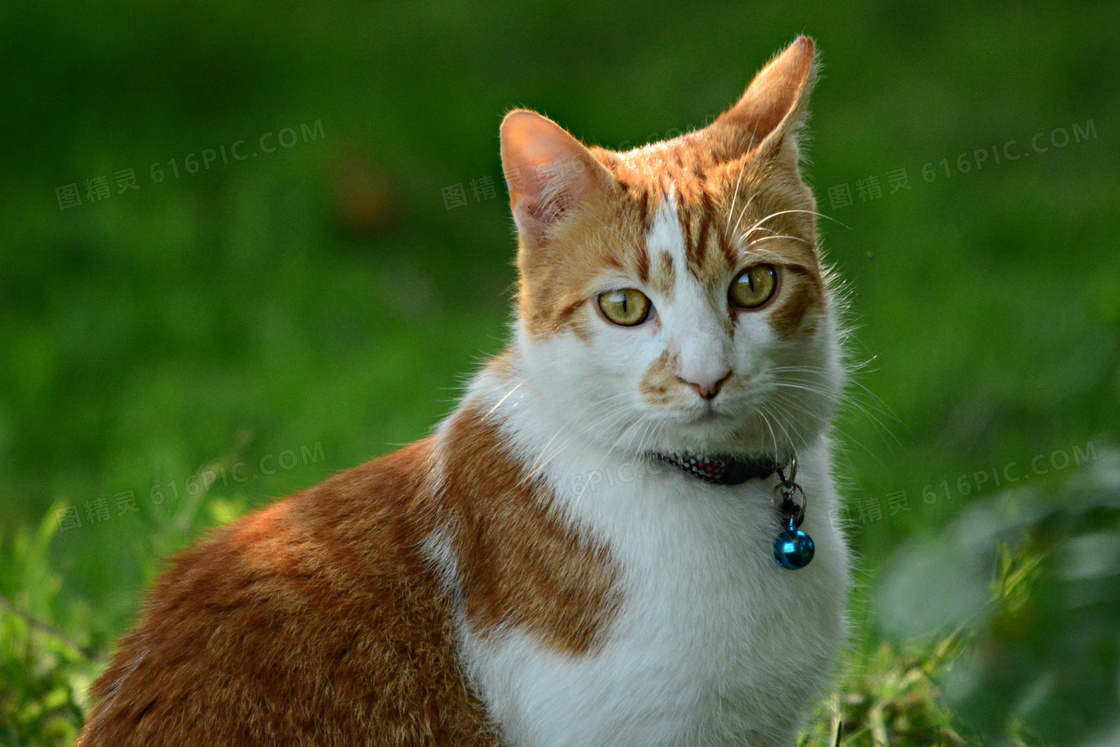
(723, 470)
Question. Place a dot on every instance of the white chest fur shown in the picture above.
(714, 643)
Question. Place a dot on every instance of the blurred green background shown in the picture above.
(205, 333)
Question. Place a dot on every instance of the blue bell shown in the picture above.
(793, 549)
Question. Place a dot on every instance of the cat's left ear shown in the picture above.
(549, 173)
(773, 108)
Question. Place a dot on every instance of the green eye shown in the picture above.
(627, 307)
(753, 286)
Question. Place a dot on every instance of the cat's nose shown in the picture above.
(707, 387)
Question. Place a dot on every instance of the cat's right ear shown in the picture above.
(773, 108)
(549, 173)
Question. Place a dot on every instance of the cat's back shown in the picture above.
(315, 621)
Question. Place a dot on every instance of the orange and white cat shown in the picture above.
(547, 569)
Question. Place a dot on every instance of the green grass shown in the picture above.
(886, 694)
(322, 297)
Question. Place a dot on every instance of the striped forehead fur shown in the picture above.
(675, 209)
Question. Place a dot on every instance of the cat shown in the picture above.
(583, 553)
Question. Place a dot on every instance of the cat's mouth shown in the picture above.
(708, 418)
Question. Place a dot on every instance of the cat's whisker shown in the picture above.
(787, 399)
(742, 212)
(785, 431)
(586, 483)
(880, 406)
(781, 236)
(827, 394)
(655, 430)
(536, 468)
(613, 415)
(784, 399)
(797, 210)
(774, 436)
(851, 402)
(503, 399)
(603, 421)
(734, 196)
(616, 443)
(845, 438)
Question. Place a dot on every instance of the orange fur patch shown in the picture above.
(320, 621)
(660, 386)
(520, 563)
(315, 621)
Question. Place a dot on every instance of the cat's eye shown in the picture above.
(627, 307)
(753, 286)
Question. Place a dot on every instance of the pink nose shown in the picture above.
(707, 388)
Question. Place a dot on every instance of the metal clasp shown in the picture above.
(788, 508)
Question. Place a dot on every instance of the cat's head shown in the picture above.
(672, 297)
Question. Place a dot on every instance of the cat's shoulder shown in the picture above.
(316, 617)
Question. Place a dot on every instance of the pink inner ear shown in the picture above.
(548, 171)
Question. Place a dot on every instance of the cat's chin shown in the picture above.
(711, 421)
(707, 418)
(713, 432)
(704, 433)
